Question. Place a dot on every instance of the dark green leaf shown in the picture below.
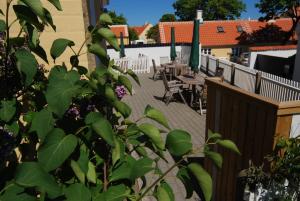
(56, 3)
(110, 93)
(156, 115)
(118, 151)
(179, 142)
(140, 168)
(39, 51)
(169, 190)
(42, 123)
(164, 193)
(103, 128)
(185, 178)
(78, 171)
(213, 136)
(14, 128)
(203, 179)
(97, 50)
(228, 144)
(1, 12)
(49, 20)
(105, 19)
(59, 46)
(215, 157)
(141, 151)
(91, 173)
(92, 117)
(153, 133)
(31, 174)
(134, 76)
(27, 64)
(78, 192)
(82, 70)
(110, 37)
(7, 110)
(33, 35)
(56, 149)
(36, 6)
(2, 26)
(126, 82)
(123, 108)
(116, 193)
(83, 161)
(16, 193)
(24, 13)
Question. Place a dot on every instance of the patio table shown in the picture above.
(191, 80)
(174, 68)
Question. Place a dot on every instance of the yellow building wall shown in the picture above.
(126, 41)
(221, 52)
(69, 24)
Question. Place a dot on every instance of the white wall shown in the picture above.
(276, 53)
(154, 53)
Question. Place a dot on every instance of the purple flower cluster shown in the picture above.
(7, 143)
(74, 112)
(120, 91)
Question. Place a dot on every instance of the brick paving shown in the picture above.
(179, 115)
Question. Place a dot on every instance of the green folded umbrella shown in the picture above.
(173, 45)
(122, 46)
(194, 57)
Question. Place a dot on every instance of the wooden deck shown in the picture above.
(179, 115)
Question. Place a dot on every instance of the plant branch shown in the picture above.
(105, 182)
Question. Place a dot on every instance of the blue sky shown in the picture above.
(138, 12)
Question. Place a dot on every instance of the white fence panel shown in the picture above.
(139, 65)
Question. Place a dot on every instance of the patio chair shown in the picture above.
(171, 88)
(156, 70)
(202, 93)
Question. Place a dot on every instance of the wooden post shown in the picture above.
(207, 64)
(258, 82)
(232, 74)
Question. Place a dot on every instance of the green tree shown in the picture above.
(117, 19)
(212, 9)
(168, 17)
(153, 33)
(273, 9)
(132, 34)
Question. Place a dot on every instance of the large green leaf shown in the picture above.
(2, 26)
(33, 35)
(61, 90)
(185, 178)
(213, 136)
(49, 19)
(78, 192)
(56, 3)
(104, 129)
(179, 142)
(56, 149)
(78, 171)
(156, 115)
(126, 82)
(169, 190)
(27, 64)
(97, 50)
(123, 108)
(7, 110)
(83, 161)
(134, 76)
(163, 193)
(153, 133)
(118, 151)
(105, 19)
(116, 193)
(110, 37)
(92, 117)
(15, 192)
(39, 51)
(91, 173)
(24, 13)
(110, 93)
(36, 6)
(31, 174)
(228, 144)
(215, 157)
(203, 179)
(59, 46)
(140, 168)
(42, 123)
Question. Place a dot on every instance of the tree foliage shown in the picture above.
(117, 19)
(153, 33)
(132, 34)
(67, 134)
(273, 9)
(168, 17)
(212, 9)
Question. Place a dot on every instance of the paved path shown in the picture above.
(180, 116)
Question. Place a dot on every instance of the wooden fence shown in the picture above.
(253, 122)
(251, 80)
(139, 65)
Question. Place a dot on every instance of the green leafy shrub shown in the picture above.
(68, 135)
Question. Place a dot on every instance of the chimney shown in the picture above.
(199, 15)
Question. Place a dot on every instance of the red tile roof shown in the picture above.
(209, 37)
(140, 29)
(275, 47)
(117, 29)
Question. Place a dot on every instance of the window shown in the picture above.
(236, 51)
(220, 29)
(206, 51)
(239, 28)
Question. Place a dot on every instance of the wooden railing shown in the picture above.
(139, 65)
(251, 80)
(253, 122)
